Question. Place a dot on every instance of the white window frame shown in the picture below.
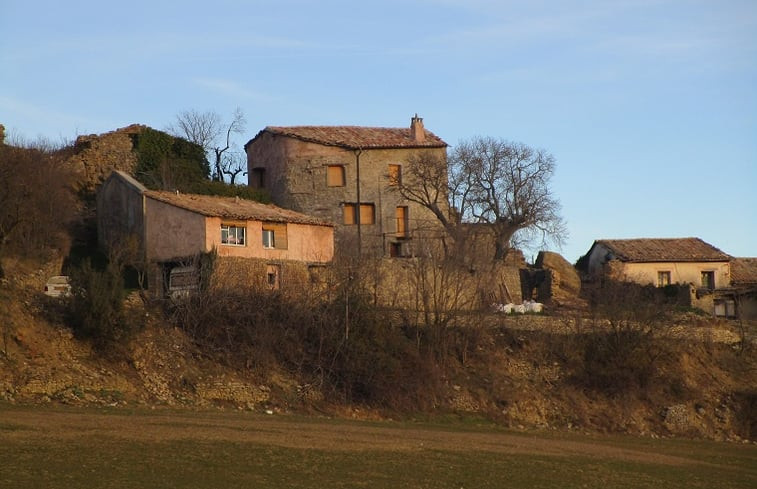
(233, 235)
(269, 239)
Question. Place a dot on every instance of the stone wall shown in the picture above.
(295, 175)
(96, 156)
(421, 285)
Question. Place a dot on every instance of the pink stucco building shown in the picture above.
(169, 230)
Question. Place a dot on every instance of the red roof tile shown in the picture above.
(357, 137)
(663, 249)
(233, 208)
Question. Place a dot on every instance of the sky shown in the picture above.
(649, 107)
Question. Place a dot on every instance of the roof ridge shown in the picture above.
(357, 137)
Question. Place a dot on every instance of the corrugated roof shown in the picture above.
(233, 208)
(743, 271)
(354, 137)
(663, 249)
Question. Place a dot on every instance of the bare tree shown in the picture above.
(426, 183)
(501, 185)
(505, 186)
(37, 201)
(215, 136)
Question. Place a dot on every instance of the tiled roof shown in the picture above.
(743, 271)
(357, 137)
(233, 208)
(663, 249)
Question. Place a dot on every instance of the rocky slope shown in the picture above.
(519, 382)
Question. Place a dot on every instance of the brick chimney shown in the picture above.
(416, 129)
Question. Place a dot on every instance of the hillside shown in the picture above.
(522, 372)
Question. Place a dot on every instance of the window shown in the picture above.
(273, 276)
(232, 234)
(725, 308)
(402, 221)
(257, 178)
(367, 214)
(395, 250)
(663, 279)
(349, 214)
(708, 280)
(268, 241)
(275, 235)
(335, 176)
(395, 174)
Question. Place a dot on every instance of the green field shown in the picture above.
(54, 447)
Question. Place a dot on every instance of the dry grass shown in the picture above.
(54, 447)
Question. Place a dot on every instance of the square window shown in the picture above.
(273, 276)
(395, 174)
(268, 239)
(708, 280)
(232, 235)
(335, 176)
(275, 235)
(367, 214)
(349, 214)
(402, 221)
(663, 278)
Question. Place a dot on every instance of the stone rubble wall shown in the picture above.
(96, 156)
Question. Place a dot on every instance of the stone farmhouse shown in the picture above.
(254, 242)
(660, 262)
(348, 175)
(717, 282)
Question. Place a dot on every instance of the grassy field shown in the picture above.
(56, 447)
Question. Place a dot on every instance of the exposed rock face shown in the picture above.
(96, 156)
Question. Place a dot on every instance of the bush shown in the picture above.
(96, 307)
(353, 357)
(621, 352)
(167, 162)
(37, 204)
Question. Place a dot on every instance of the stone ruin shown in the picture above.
(97, 155)
(551, 280)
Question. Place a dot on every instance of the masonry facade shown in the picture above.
(348, 175)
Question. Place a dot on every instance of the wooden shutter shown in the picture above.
(367, 214)
(349, 214)
(335, 176)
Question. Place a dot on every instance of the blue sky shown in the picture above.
(649, 106)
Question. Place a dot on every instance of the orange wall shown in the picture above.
(173, 232)
(304, 242)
